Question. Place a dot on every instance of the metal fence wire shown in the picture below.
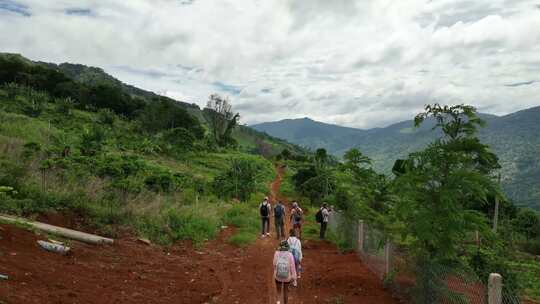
(424, 283)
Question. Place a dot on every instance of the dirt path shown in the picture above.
(133, 272)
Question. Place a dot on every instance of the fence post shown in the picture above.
(495, 289)
(361, 236)
(387, 257)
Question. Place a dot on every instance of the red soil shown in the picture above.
(133, 272)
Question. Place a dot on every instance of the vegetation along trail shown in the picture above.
(133, 272)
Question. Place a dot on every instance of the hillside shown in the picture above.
(514, 137)
(249, 140)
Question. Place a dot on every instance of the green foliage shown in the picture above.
(439, 182)
(191, 226)
(106, 117)
(488, 260)
(221, 119)
(178, 140)
(92, 140)
(163, 114)
(64, 106)
(239, 181)
(527, 223)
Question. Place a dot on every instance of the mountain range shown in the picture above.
(514, 137)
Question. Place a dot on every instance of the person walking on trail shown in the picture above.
(297, 216)
(284, 271)
(264, 210)
(295, 246)
(279, 220)
(322, 217)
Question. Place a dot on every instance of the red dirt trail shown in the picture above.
(133, 272)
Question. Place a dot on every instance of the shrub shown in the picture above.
(92, 141)
(191, 226)
(161, 182)
(238, 181)
(106, 117)
(65, 106)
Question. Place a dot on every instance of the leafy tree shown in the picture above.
(162, 114)
(436, 186)
(178, 140)
(321, 158)
(527, 222)
(92, 141)
(238, 181)
(65, 106)
(221, 119)
(355, 159)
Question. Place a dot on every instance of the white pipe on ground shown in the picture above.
(64, 232)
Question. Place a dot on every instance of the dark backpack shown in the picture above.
(297, 217)
(279, 211)
(319, 216)
(264, 210)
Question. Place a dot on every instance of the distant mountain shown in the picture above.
(514, 137)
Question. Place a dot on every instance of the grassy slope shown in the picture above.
(161, 216)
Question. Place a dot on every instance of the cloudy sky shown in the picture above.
(362, 63)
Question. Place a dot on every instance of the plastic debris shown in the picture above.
(54, 247)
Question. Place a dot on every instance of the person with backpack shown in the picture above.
(322, 217)
(284, 270)
(264, 210)
(297, 218)
(295, 246)
(279, 220)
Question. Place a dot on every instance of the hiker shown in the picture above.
(297, 219)
(284, 271)
(265, 209)
(279, 220)
(322, 217)
(295, 246)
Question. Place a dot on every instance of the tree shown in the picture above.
(92, 141)
(355, 159)
(162, 114)
(320, 158)
(222, 119)
(527, 223)
(435, 186)
(238, 181)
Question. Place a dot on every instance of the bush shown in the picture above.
(531, 247)
(106, 117)
(239, 181)
(92, 141)
(65, 106)
(191, 226)
(160, 182)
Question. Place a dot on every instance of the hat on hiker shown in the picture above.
(295, 204)
(283, 245)
(266, 198)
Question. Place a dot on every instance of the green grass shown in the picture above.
(245, 217)
(75, 183)
(529, 276)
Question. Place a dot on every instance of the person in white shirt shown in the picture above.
(295, 246)
(325, 218)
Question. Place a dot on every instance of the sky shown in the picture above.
(361, 64)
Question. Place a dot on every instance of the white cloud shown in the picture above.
(359, 63)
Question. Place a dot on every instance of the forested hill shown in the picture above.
(94, 88)
(514, 137)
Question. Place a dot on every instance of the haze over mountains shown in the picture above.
(514, 137)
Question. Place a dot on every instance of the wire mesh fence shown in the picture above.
(413, 281)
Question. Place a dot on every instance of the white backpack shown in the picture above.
(283, 267)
